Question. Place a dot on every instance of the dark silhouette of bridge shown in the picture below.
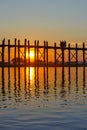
(41, 54)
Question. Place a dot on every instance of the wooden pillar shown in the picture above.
(9, 53)
(55, 53)
(35, 59)
(44, 53)
(84, 72)
(76, 67)
(46, 60)
(69, 54)
(83, 53)
(3, 81)
(84, 79)
(37, 70)
(15, 41)
(19, 53)
(55, 62)
(28, 53)
(37, 53)
(47, 53)
(25, 41)
(3, 49)
(69, 74)
(19, 64)
(76, 54)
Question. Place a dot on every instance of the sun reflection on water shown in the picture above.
(30, 74)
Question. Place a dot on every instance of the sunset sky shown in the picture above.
(51, 20)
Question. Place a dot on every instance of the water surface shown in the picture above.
(43, 98)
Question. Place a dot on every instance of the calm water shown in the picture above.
(43, 98)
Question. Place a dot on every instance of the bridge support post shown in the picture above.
(55, 54)
(9, 53)
(3, 49)
(15, 41)
(84, 54)
(37, 53)
(28, 53)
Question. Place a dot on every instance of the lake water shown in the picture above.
(43, 98)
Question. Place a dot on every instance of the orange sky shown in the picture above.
(44, 20)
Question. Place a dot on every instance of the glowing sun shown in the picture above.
(31, 55)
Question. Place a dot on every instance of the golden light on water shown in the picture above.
(30, 74)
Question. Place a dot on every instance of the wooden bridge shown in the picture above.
(63, 55)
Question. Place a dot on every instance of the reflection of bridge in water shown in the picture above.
(63, 55)
(39, 87)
